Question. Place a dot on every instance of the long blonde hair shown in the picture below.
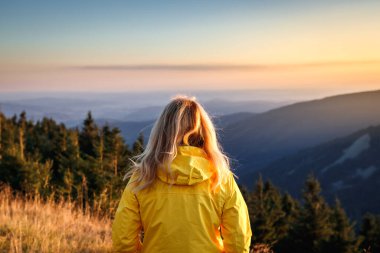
(182, 122)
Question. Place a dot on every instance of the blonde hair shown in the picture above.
(182, 122)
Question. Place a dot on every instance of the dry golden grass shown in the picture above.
(33, 225)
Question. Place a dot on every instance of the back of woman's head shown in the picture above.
(182, 122)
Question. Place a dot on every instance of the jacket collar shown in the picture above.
(190, 166)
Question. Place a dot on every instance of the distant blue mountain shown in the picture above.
(257, 141)
(348, 168)
(71, 110)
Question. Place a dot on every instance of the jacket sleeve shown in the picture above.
(235, 227)
(127, 225)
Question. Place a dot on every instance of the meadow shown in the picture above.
(30, 224)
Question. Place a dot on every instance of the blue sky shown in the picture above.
(47, 45)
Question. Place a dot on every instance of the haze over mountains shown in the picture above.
(71, 108)
(255, 132)
(258, 140)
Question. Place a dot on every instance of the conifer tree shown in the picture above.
(370, 233)
(265, 207)
(88, 138)
(33, 176)
(285, 224)
(117, 151)
(312, 229)
(343, 239)
(138, 145)
(73, 144)
(89, 141)
(245, 193)
(11, 170)
(70, 165)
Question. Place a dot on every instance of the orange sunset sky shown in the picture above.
(165, 45)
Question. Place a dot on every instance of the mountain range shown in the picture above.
(260, 139)
(71, 111)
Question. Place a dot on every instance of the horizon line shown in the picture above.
(221, 67)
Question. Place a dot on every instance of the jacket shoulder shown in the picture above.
(228, 186)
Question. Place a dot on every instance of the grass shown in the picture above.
(33, 225)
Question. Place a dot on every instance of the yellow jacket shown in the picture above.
(185, 217)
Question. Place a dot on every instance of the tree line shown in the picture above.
(86, 165)
(310, 225)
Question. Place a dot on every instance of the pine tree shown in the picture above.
(291, 209)
(370, 233)
(245, 193)
(89, 141)
(11, 170)
(89, 136)
(265, 212)
(138, 145)
(117, 151)
(343, 239)
(312, 228)
(73, 144)
(70, 165)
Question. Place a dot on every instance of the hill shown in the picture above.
(347, 168)
(259, 140)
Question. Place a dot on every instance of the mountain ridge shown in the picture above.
(259, 140)
(347, 168)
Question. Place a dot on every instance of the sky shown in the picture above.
(111, 46)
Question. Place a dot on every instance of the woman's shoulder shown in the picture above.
(227, 184)
(137, 184)
(132, 179)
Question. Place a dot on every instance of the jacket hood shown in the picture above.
(190, 166)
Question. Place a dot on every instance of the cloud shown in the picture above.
(225, 67)
(173, 67)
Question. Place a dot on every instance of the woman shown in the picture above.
(181, 193)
